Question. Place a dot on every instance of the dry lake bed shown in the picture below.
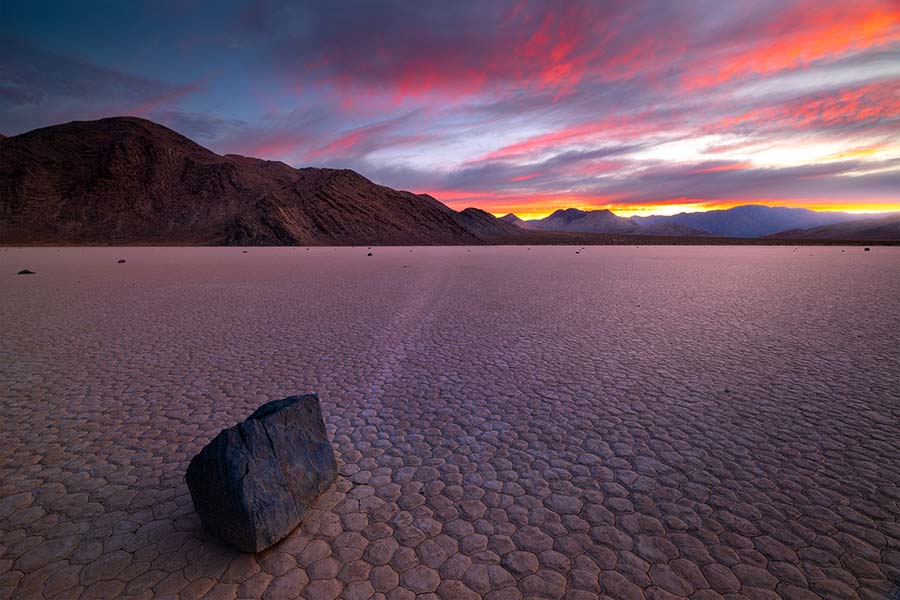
(626, 422)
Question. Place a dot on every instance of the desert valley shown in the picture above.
(633, 333)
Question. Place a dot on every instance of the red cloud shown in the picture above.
(571, 134)
(880, 100)
(557, 48)
(620, 127)
(537, 46)
(341, 144)
(806, 33)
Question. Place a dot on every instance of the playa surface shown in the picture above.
(626, 422)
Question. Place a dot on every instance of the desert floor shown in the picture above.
(625, 422)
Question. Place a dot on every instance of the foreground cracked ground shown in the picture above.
(509, 423)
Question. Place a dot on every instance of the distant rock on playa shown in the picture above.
(253, 483)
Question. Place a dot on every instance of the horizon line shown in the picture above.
(675, 209)
(465, 199)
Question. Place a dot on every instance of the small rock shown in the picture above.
(369, 254)
(26, 272)
(254, 482)
(867, 249)
(121, 261)
(244, 252)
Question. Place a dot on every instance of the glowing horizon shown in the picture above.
(674, 209)
(522, 106)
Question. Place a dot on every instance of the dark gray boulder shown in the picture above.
(253, 483)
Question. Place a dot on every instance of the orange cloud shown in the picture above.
(808, 32)
(862, 152)
(737, 166)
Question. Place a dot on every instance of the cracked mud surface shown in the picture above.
(509, 423)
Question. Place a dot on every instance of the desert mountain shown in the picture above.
(514, 220)
(747, 221)
(486, 225)
(751, 220)
(593, 221)
(874, 229)
(605, 221)
(126, 180)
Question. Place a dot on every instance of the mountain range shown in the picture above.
(126, 180)
(748, 221)
(601, 221)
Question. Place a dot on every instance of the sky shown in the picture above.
(640, 106)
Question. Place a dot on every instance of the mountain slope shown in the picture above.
(484, 224)
(514, 220)
(127, 180)
(874, 229)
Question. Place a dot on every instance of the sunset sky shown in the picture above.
(640, 106)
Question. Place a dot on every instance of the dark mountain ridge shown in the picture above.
(126, 180)
(485, 224)
(574, 220)
(747, 221)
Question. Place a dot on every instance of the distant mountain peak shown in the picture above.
(486, 225)
(571, 213)
(747, 220)
(512, 219)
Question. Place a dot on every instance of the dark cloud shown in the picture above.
(39, 87)
(534, 101)
(201, 127)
